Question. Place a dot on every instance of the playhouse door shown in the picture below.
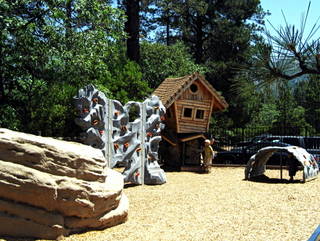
(192, 152)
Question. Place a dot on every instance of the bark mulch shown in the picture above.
(218, 206)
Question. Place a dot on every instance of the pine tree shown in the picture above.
(291, 53)
(132, 27)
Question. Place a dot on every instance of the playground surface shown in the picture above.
(218, 206)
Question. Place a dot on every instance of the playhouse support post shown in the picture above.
(281, 165)
(108, 134)
(143, 157)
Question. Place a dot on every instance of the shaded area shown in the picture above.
(266, 179)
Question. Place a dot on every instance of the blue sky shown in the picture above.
(292, 9)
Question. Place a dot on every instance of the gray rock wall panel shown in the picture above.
(128, 135)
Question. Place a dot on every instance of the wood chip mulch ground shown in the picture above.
(218, 206)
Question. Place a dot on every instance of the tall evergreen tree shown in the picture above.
(291, 52)
(160, 61)
(48, 50)
(217, 32)
(291, 115)
(132, 27)
(220, 35)
(161, 20)
(307, 94)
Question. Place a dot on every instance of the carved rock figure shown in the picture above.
(51, 188)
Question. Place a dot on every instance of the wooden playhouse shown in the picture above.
(190, 101)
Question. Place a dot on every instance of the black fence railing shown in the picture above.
(226, 139)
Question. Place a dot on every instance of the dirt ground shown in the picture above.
(218, 206)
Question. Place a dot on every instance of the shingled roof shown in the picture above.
(172, 88)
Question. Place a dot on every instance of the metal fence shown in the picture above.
(230, 138)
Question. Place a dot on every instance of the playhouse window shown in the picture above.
(187, 112)
(194, 88)
(200, 114)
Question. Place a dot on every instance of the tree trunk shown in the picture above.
(68, 23)
(199, 40)
(167, 19)
(168, 31)
(185, 28)
(2, 96)
(132, 27)
(2, 68)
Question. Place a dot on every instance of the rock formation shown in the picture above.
(51, 188)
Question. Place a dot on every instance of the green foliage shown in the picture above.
(126, 83)
(159, 61)
(292, 52)
(266, 116)
(307, 94)
(218, 36)
(259, 106)
(268, 106)
(54, 115)
(160, 21)
(290, 113)
(9, 118)
(50, 49)
(220, 121)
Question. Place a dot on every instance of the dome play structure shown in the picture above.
(256, 166)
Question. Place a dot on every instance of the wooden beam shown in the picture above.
(177, 117)
(168, 140)
(192, 138)
(210, 113)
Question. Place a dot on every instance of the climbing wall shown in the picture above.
(128, 135)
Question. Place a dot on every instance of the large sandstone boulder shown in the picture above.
(51, 188)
